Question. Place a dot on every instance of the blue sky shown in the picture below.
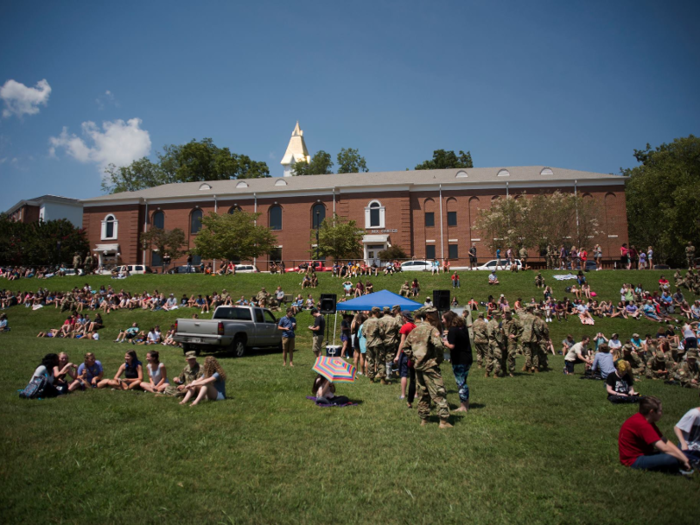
(577, 85)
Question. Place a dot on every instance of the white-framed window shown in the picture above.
(375, 215)
(110, 227)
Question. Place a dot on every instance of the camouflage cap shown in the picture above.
(396, 308)
(692, 354)
(635, 336)
(530, 307)
(627, 347)
(386, 309)
(481, 314)
(659, 355)
(191, 355)
(538, 313)
(376, 309)
(428, 310)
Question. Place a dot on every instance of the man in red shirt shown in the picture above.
(643, 447)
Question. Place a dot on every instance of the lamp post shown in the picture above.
(318, 227)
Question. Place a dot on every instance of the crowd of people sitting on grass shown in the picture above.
(57, 375)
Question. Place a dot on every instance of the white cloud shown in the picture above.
(22, 100)
(106, 99)
(118, 143)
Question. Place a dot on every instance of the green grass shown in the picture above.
(532, 449)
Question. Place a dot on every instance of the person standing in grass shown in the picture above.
(642, 446)
(287, 324)
(425, 349)
(457, 340)
(406, 370)
(391, 327)
(211, 385)
(318, 329)
(373, 331)
(481, 340)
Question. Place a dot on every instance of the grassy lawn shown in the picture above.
(533, 449)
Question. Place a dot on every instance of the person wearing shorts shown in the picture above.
(405, 372)
(287, 324)
(318, 328)
(90, 373)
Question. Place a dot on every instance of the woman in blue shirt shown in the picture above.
(212, 385)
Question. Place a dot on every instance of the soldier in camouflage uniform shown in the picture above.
(679, 280)
(262, 297)
(405, 289)
(688, 373)
(373, 330)
(391, 337)
(425, 349)
(528, 337)
(690, 255)
(88, 264)
(481, 340)
(77, 261)
(636, 363)
(191, 372)
(513, 329)
(539, 280)
(522, 253)
(657, 366)
(541, 331)
(497, 346)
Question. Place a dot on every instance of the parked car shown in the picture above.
(246, 268)
(504, 265)
(236, 328)
(183, 269)
(319, 266)
(133, 269)
(416, 266)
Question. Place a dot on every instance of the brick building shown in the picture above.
(428, 213)
(47, 208)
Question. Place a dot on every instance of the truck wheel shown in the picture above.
(239, 347)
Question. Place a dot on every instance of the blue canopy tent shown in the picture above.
(366, 302)
(381, 299)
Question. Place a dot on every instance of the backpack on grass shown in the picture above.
(37, 388)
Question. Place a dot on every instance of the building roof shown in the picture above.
(296, 150)
(422, 180)
(38, 201)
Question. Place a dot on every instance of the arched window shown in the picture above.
(233, 209)
(375, 215)
(318, 213)
(275, 215)
(110, 226)
(429, 211)
(196, 221)
(451, 212)
(159, 220)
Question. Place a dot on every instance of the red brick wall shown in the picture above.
(405, 212)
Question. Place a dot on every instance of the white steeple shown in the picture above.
(296, 151)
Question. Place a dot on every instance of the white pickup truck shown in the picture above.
(234, 328)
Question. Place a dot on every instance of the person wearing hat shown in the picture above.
(657, 366)
(687, 373)
(191, 372)
(497, 346)
(513, 329)
(391, 326)
(630, 355)
(262, 297)
(541, 332)
(373, 331)
(424, 347)
(481, 340)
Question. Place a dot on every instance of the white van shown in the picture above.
(133, 269)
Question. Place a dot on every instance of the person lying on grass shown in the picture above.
(157, 374)
(211, 386)
(133, 374)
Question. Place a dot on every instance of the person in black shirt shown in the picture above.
(318, 328)
(457, 340)
(619, 384)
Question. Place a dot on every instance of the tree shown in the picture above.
(166, 242)
(194, 161)
(556, 219)
(339, 238)
(40, 243)
(662, 195)
(233, 237)
(321, 164)
(350, 161)
(447, 159)
(392, 253)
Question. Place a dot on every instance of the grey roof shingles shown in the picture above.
(350, 181)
